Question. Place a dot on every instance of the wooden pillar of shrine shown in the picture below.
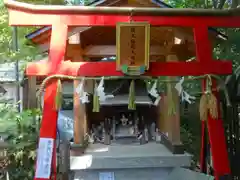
(162, 118)
(173, 123)
(29, 93)
(80, 119)
(79, 109)
(169, 122)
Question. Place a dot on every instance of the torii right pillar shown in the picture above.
(215, 127)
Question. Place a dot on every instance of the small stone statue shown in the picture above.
(158, 136)
(124, 120)
(131, 128)
(153, 131)
(141, 138)
(146, 135)
(125, 130)
(91, 137)
(113, 128)
(97, 133)
(107, 132)
(123, 127)
(136, 127)
(103, 135)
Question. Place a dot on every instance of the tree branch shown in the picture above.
(214, 2)
(235, 3)
(221, 4)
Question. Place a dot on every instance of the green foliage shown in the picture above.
(27, 51)
(230, 48)
(47, 2)
(77, 2)
(21, 130)
(208, 4)
(6, 52)
(191, 136)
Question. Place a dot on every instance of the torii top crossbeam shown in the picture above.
(109, 16)
(120, 10)
(61, 17)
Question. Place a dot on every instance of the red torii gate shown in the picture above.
(61, 17)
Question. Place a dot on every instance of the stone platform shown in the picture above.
(127, 162)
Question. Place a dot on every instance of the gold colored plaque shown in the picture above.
(133, 43)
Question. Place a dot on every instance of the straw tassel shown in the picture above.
(132, 98)
(96, 103)
(203, 107)
(212, 106)
(58, 98)
(208, 104)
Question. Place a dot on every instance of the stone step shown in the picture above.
(186, 174)
(142, 174)
(124, 174)
(118, 156)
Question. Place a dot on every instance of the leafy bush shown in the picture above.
(21, 130)
(191, 137)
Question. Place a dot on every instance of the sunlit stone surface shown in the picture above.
(128, 162)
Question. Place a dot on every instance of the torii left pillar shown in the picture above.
(48, 131)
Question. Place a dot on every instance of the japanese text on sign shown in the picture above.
(133, 46)
(44, 158)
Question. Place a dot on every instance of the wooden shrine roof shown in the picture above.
(135, 11)
(107, 35)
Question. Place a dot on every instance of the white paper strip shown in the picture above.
(44, 158)
(188, 98)
(153, 90)
(157, 100)
(84, 98)
(179, 87)
(80, 88)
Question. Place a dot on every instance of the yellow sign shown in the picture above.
(133, 43)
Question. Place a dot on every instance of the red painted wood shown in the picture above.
(49, 118)
(109, 68)
(203, 45)
(218, 145)
(42, 68)
(189, 21)
(204, 140)
(57, 45)
(203, 54)
(221, 164)
(203, 147)
(30, 18)
(50, 114)
(71, 20)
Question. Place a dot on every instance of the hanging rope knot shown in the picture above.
(209, 78)
(131, 15)
(208, 102)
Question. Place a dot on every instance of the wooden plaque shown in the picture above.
(133, 42)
